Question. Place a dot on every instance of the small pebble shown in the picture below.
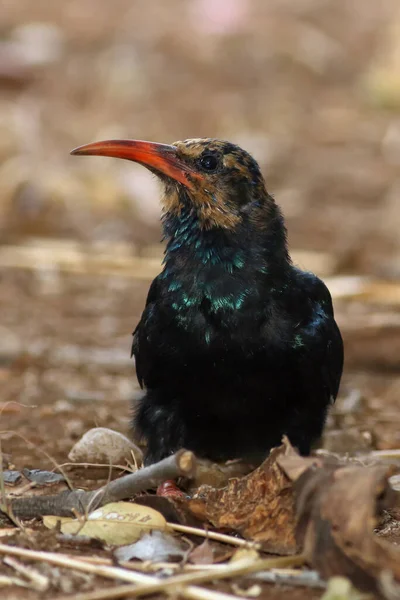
(101, 445)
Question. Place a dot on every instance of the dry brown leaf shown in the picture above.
(259, 506)
(337, 508)
(202, 554)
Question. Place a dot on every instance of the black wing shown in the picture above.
(321, 345)
(317, 364)
(140, 348)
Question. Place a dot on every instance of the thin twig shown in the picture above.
(213, 535)
(94, 465)
(31, 485)
(147, 566)
(150, 584)
(294, 577)
(180, 464)
(391, 453)
(68, 562)
(37, 581)
(179, 582)
(198, 593)
(6, 580)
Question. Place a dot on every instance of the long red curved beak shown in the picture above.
(160, 157)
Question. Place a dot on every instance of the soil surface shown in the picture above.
(311, 89)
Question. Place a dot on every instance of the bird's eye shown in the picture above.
(209, 162)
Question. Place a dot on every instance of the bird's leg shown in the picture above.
(169, 489)
(152, 418)
(158, 420)
(306, 428)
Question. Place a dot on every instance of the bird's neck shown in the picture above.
(247, 252)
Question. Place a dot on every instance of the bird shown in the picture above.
(236, 346)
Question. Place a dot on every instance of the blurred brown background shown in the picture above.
(310, 87)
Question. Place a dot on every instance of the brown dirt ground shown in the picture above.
(310, 88)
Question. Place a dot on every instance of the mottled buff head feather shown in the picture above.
(217, 180)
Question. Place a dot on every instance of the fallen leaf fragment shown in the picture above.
(42, 477)
(156, 546)
(9, 407)
(245, 554)
(101, 445)
(340, 588)
(337, 509)
(203, 554)
(259, 506)
(251, 592)
(11, 477)
(116, 523)
(395, 482)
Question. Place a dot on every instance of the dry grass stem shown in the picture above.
(5, 580)
(213, 535)
(293, 577)
(183, 583)
(147, 566)
(68, 562)
(37, 581)
(95, 465)
(145, 584)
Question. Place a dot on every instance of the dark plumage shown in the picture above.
(236, 346)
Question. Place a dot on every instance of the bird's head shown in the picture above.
(219, 183)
